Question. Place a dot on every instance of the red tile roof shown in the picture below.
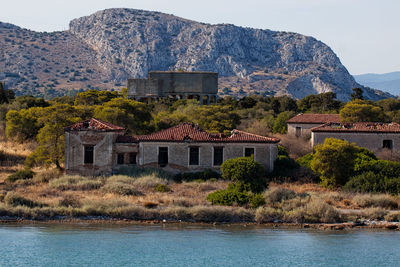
(187, 132)
(359, 127)
(95, 125)
(315, 118)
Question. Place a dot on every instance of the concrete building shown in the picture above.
(371, 135)
(301, 124)
(94, 147)
(202, 86)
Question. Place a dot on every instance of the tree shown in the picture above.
(94, 97)
(51, 136)
(361, 111)
(134, 116)
(335, 160)
(280, 123)
(357, 94)
(245, 170)
(24, 124)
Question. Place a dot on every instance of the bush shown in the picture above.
(305, 161)
(375, 213)
(336, 160)
(245, 170)
(319, 211)
(192, 176)
(278, 194)
(257, 200)
(69, 201)
(121, 189)
(370, 182)
(162, 188)
(393, 217)
(20, 175)
(47, 175)
(235, 193)
(148, 181)
(14, 199)
(383, 201)
(267, 214)
(284, 167)
(76, 183)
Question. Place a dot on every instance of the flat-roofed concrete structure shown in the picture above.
(202, 86)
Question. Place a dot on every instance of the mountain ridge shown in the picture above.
(102, 50)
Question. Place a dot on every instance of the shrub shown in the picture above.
(14, 199)
(335, 161)
(20, 175)
(47, 175)
(370, 182)
(148, 181)
(121, 189)
(319, 211)
(76, 183)
(278, 194)
(150, 204)
(305, 161)
(191, 176)
(257, 200)
(162, 188)
(383, 201)
(375, 213)
(393, 217)
(267, 214)
(235, 193)
(245, 170)
(69, 201)
(284, 166)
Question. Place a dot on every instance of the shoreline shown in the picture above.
(383, 225)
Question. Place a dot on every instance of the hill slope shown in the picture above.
(387, 82)
(104, 49)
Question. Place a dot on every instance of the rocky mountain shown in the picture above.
(103, 50)
(387, 82)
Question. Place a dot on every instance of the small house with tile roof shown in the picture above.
(301, 124)
(94, 147)
(371, 135)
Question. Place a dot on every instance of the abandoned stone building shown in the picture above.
(371, 135)
(301, 124)
(202, 86)
(95, 147)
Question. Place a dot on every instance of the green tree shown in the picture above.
(335, 160)
(357, 94)
(51, 136)
(24, 124)
(280, 123)
(321, 103)
(134, 116)
(245, 170)
(94, 97)
(361, 111)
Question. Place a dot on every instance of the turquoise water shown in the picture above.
(171, 245)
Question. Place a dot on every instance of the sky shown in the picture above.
(363, 33)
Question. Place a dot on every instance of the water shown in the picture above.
(172, 245)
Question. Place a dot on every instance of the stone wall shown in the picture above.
(371, 141)
(103, 143)
(178, 154)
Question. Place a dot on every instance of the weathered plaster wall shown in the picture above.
(103, 143)
(178, 154)
(371, 141)
(305, 128)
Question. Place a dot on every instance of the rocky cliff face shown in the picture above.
(122, 43)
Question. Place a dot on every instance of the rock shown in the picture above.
(106, 48)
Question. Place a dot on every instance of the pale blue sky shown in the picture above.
(363, 33)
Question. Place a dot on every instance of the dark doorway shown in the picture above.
(194, 156)
(163, 156)
(88, 156)
(218, 156)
